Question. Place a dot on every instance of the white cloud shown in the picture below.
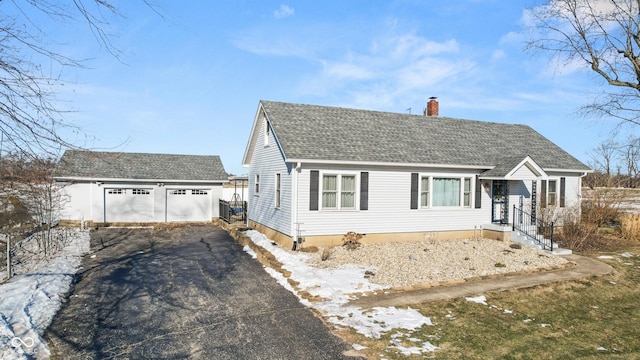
(391, 70)
(497, 55)
(283, 11)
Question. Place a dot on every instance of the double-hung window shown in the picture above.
(553, 192)
(467, 192)
(424, 191)
(338, 191)
(348, 192)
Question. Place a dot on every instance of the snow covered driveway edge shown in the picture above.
(28, 302)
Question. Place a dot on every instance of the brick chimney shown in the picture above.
(432, 107)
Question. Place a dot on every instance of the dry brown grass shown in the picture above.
(326, 254)
(309, 249)
(630, 226)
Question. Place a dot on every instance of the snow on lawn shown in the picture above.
(28, 302)
(338, 287)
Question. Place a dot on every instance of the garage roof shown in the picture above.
(77, 164)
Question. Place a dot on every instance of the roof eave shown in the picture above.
(384, 163)
(81, 178)
(570, 170)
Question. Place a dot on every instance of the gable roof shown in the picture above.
(76, 164)
(322, 133)
(510, 165)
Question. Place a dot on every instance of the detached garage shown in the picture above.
(109, 187)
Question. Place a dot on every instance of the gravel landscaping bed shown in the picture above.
(432, 262)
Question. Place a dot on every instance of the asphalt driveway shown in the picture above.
(190, 292)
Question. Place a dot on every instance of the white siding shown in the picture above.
(520, 189)
(75, 202)
(524, 173)
(243, 193)
(266, 161)
(389, 207)
(86, 201)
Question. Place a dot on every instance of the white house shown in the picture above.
(318, 172)
(112, 187)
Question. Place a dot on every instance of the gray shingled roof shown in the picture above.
(120, 165)
(506, 166)
(311, 132)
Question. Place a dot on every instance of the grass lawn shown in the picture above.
(592, 318)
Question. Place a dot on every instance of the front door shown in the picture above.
(500, 202)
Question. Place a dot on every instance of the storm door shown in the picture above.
(500, 202)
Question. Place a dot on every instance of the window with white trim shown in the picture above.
(178, 192)
(141, 192)
(424, 191)
(116, 191)
(348, 192)
(466, 200)
(277, 192)
(339, 191)
(256, 181)
(199, 192)
(445, 192)
(553, 192)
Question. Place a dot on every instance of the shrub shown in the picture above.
(601, 206)
(351, 240)
(577, 235)
(630, 226)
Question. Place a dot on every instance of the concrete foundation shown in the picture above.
(489, 231)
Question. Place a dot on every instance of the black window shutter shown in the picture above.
(562, 190)
(478, 193)
(414, 190)
(313, 190)
(364, 191)
(543, 193)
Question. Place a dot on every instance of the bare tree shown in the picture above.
(630, 157)
(601, 35)
(603, 156)
(31, 117)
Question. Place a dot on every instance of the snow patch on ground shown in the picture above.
(337, 287)
(478, 299)
(28, 302)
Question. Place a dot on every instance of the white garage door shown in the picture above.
(188, 205)
(128, 205)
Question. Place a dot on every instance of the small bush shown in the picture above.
(579, 236)
(351, 240)
(630, 226)
(602, 206)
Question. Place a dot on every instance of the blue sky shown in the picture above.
(189, 83)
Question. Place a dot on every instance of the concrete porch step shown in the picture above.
(518, 237)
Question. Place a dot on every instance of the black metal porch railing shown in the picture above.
(539, 231)
(233, 211)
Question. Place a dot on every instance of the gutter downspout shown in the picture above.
(294, 201)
